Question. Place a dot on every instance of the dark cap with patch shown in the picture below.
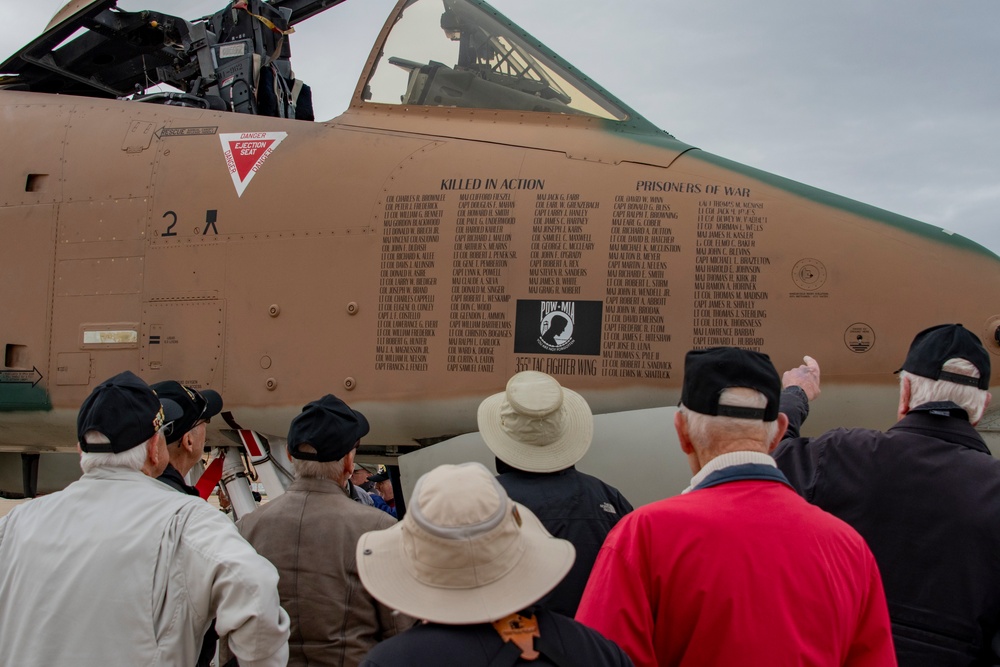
(196, 405)
(708, 372)
(126, 411)
(932, 347)
(329, 426)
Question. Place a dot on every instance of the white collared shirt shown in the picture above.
(728, 460)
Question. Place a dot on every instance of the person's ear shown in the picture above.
(349, 462)
(153, 455)
(782, 427)
(681, 426)
(904, 398)
(986, 404)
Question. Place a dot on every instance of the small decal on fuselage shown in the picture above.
(245, 154)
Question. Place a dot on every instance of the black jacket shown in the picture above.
(925, 495)
(562, 643)
(573, 506)
(172, 477)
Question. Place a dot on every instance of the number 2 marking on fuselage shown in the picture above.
(168, 232)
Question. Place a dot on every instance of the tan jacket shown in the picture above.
(310, 534)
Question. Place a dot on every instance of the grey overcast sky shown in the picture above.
(895, 103)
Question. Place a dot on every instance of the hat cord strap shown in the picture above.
(510, 653)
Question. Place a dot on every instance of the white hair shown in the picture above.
(970, 398)
(713, 433)
(131, 459)
(318, 469)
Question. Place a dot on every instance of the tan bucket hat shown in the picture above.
(536, 424)
(464, 553)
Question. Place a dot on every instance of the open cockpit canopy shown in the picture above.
(464, 54)
(444, 53)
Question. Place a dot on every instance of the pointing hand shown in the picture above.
(805, 376)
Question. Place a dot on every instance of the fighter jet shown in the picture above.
(170, 206)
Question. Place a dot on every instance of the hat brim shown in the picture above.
(567, 450)
(382, 565)
(172, 411)
(213, 403)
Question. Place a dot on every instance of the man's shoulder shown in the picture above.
(578, 639)
(596, 483)
(847, 436)
(841, 438)
(424, 644)
(321, 506)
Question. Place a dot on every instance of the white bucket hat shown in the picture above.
(536, 424)
(464, 553)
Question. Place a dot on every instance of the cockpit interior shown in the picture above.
(444, 53)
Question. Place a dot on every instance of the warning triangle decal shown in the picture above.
(245, 154)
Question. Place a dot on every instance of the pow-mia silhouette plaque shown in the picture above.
(558, 327)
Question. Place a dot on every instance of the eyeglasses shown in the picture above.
(199, 402)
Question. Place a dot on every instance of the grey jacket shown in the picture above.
(310, 534)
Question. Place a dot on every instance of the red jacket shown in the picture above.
(743, 573)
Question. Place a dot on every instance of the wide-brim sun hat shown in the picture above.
(536, 424)
(464, 553)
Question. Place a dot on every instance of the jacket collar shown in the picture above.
(172, 476)
(317, 485)
(727, 460)
(933, 422)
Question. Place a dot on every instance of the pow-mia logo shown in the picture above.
(558, 327)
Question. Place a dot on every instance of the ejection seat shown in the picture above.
(251, 58)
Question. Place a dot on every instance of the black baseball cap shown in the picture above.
(379, 477)
(932, 347)
(329, 426)
(708, 372)
(196, 405)
(126, 410)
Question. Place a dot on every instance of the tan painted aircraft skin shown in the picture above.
(411, 258)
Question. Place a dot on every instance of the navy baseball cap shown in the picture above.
(126, 410)
(932, 347)
(329, 426)
(196, 405)
(708, 372)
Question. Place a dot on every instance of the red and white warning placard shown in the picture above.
(245, 154)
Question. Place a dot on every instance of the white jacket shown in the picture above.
(120, 569)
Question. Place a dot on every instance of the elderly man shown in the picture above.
(310, 533)
(925, 495)
(382, 487)
(472, 563)
(357, 491)
(739, 570)
(120, 569)
(185, 446)
(186, 439)
(539, 431)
